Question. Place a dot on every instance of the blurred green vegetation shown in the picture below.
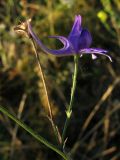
(98, 83)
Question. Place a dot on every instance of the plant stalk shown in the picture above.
(69, 109)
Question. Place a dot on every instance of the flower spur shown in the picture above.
(78, 42)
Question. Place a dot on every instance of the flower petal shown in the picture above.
(94, 56)
(62, 39)
(66, 50)
(76, 29)
(75, 33)
(85, 39)
(95, 51)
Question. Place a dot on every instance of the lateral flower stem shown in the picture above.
(33, 133)
(57, 135)
(69, 109)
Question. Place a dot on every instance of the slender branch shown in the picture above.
(34, 134)
(69, 109)
(58, 137)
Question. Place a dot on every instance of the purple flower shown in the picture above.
(78, 42)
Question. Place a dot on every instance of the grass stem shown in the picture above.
(33, 133)
(57, 135)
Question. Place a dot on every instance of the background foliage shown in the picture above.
(94, 132)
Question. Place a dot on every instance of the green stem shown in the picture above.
(69, 109)
(34, 134)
